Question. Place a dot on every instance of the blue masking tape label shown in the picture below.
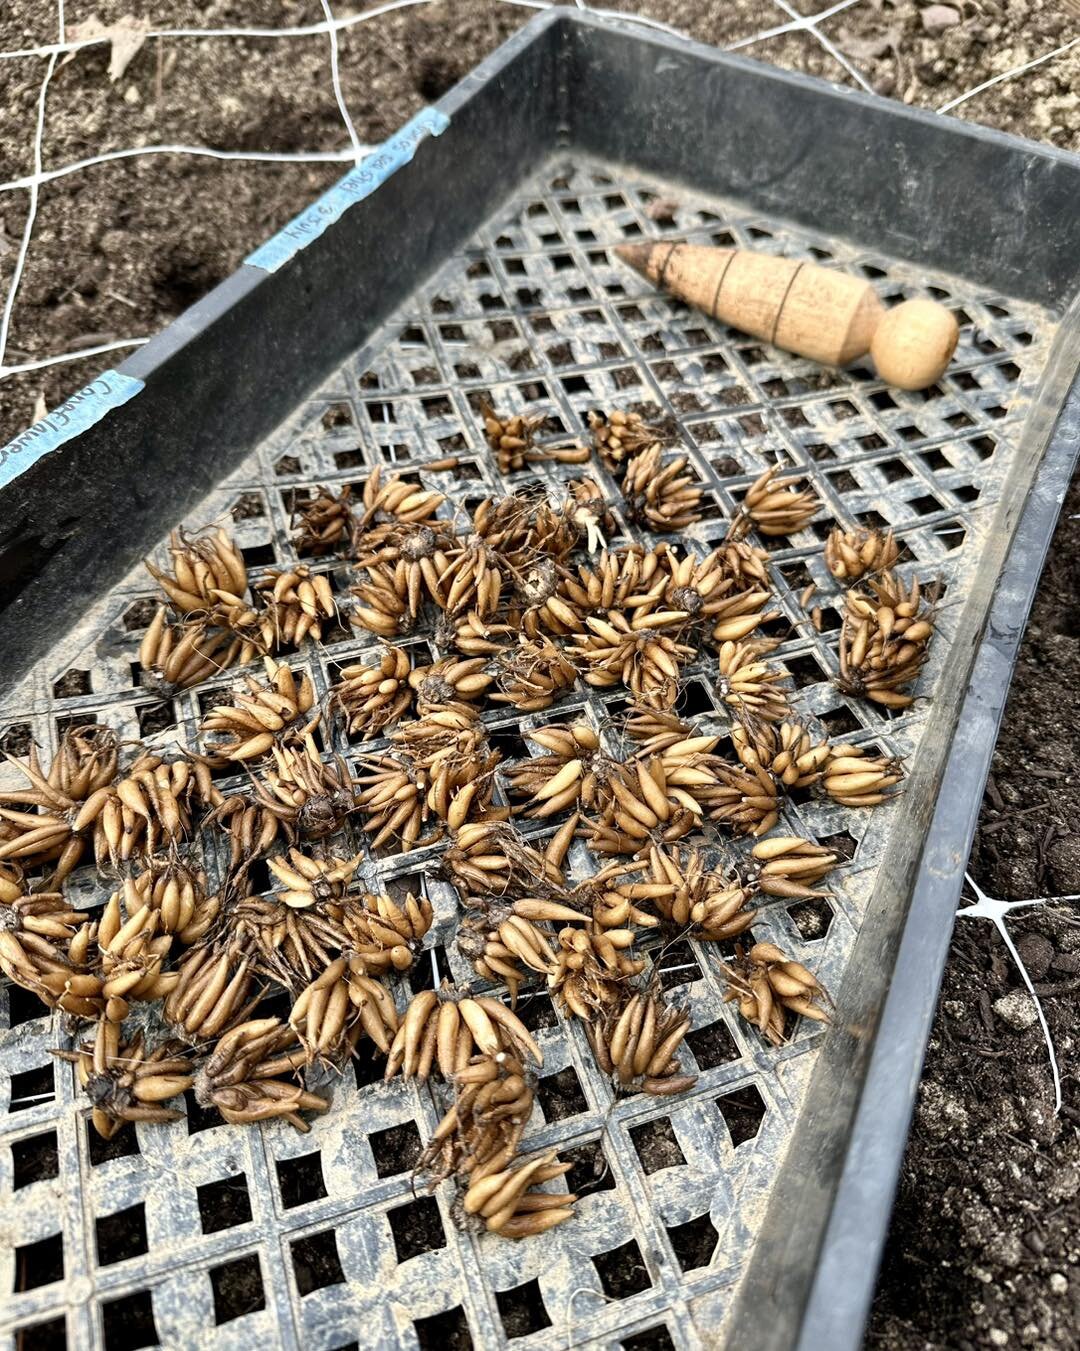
(73, 417)
(357, 184)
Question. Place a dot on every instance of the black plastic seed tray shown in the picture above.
(749, 1212)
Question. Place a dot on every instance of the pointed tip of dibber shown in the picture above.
(637, 256)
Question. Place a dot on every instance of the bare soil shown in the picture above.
(983, 1249)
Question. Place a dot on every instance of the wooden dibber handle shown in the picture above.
(828, 316)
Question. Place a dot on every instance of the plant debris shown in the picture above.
(524, 601)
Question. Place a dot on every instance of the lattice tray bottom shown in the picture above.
(201, 1234)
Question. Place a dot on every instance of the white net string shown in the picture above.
(330, 26)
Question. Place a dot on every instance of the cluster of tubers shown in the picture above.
(524, 599)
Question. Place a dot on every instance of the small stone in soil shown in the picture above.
(937, 18)
(1058, 1283)
(1016, 1008)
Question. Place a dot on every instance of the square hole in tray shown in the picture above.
(712, 1045)
(316, 1263)
(656, 1145)
(694, 1242)
(39, 1263)
(30, 1088)
(121, 1236)
(812, 918)
(560, 1095)
(129, 1322)
(123, 1145)
(300, 1180)
(743, 1112)
(417, 1228)
(35, 1159)
(622, 1271)
(657, 1338)
(238, 1288)
(590, 1170)
(395, 1149)
(224, 1204)
(447, 1331)
(23, 1006)
(522, 1309)
(48, 1336)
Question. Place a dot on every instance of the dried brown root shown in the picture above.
(451, 682)
(481, 1132)
(855, 779)
(693, 894)
(786, 750)
(663, 498)
(473, 636)
(651, 804)
(749, 685)
(325, 522)
(309, 796)
(180, 656)
(654, 729)
(532, 675)
(512, 438)
(635, 652)
(442, 1030)
(382, 604)
(850, 554)
(394, 502)
(241, 1076)
(617, 436)
(46, 946)
(279, 710)
(178, 892)
(131, 955)
(288, 944)
(591, 965)
(209, 577)
(212, 992)
(297, 603)
(310, 881)
(451, 762)
(383, 936)
(508, 1203)
(711, 593)
(127, 1082)
(787, 865)
(39, 822)
(774, 506)
(149, 808)
(252, 827)
(766, 983)
(504, 947)
(885, 640)
(374, 697)
(745, 800)
(575, 773)
(393, 802)
(489, 858)
(622, 579)
(636, 1043)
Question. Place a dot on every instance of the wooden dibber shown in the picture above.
(828, 316)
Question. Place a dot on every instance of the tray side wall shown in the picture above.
(838, 1305)
(912, 183)
(829, 1209)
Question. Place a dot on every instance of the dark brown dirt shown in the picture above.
(982, 1251)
